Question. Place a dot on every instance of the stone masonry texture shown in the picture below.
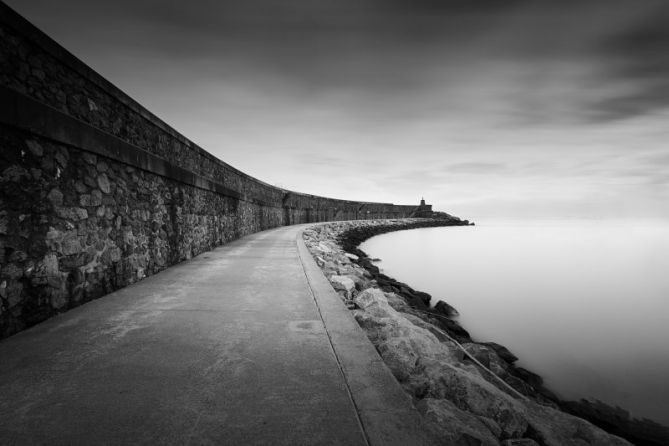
(97, 193)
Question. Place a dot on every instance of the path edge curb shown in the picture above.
(385, 410)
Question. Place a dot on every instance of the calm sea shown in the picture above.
(585, 304)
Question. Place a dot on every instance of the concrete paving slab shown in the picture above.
(227, 348)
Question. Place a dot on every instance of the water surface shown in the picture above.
(585, 304)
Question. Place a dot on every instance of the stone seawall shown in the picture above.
(96, 192)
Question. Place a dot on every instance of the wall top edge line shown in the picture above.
(17, 105)
(13, 19)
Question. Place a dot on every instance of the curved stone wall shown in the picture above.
(96, 192)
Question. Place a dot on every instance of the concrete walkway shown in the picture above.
(247, 344)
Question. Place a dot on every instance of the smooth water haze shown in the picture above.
(585, 304)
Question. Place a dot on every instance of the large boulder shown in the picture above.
(400, 342)
(361, 282)
(468, 390)
(452, 426)
(344, 284)
(428, 366)
(324, 247)
(487, 357)
(556, 428)
(442, 307)
(397, 302)
(502, 352)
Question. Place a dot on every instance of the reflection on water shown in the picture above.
(583, 303)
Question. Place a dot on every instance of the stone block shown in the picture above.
(71, 244)
(58, 300)
(53, 239)
(34, 147)
(90, 181)
(72, 213)
(46, 163)
(61, 158)
(13, 291)
(89, 158)
(96, 198)
(72, 261)
(90, 254)
(103, 183)
(80, 187)
(115, 253)
(55, 197)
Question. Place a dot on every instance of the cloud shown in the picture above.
(479, 101)
(538, 62)
(477, 168)
(636, 63)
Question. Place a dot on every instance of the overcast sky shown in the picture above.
(487, 108)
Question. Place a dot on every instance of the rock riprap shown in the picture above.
(469, 393)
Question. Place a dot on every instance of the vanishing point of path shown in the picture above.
(245, 344)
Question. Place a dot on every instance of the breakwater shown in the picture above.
(97, 193)
(547, 291)
(467, 392)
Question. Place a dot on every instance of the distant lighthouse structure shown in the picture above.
(423, 210)
(423, 206)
